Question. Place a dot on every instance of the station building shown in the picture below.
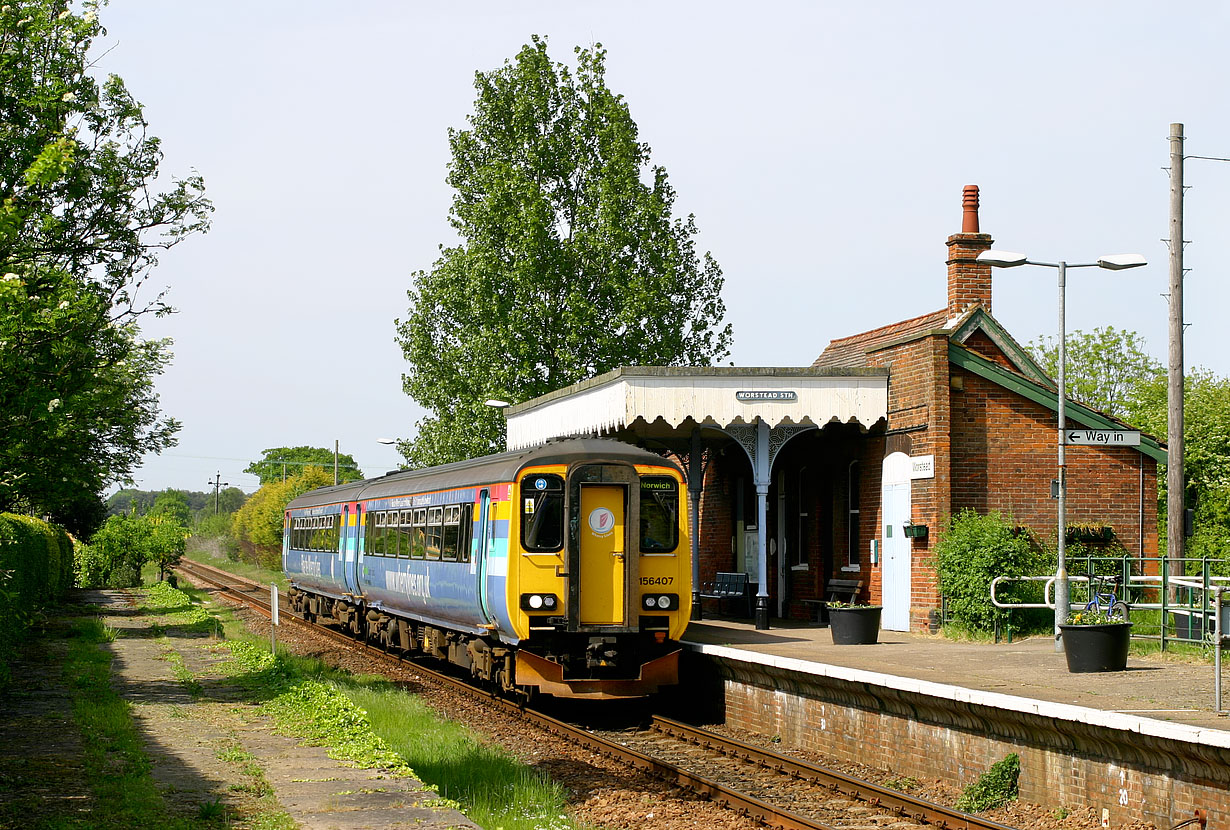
(846, 469)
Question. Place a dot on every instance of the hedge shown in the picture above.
(36, 568)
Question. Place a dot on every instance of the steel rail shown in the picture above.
(923, 811)
(914, 808)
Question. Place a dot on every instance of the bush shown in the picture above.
(972, 550)
(994, 788)
(35, 569)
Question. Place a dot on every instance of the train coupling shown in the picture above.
(601, 651)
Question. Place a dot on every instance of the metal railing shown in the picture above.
(1195, 602)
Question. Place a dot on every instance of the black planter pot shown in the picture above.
(855, 626)
(1096, 648)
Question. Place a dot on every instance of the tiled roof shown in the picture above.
(851, 352)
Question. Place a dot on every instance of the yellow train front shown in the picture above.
(562, 569)
(599, 585)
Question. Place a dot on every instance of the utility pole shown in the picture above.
(335, 463)
(1176, 493)
(218, 484)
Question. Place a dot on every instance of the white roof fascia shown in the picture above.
(706, 397)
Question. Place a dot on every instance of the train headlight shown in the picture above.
(539, 602)
(660, 602)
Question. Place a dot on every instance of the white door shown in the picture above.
(895, 572)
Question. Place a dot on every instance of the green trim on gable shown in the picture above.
(977, 364)
(979, 319)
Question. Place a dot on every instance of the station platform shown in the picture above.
(1159, 695)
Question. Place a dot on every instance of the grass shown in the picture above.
(112, 748)
(371, 723)
(494, 789)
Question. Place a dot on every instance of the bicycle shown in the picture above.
(1105, 601)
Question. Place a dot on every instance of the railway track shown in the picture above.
(776, 790)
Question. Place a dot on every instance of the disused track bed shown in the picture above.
(772, 789)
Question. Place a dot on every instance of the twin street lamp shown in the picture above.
(1113, 262)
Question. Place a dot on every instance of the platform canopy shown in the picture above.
(656, 400)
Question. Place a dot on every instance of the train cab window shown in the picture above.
(452, 528)
(435, 531)
(542, 513)
(659, 514)
(418, 544)
(405, 534)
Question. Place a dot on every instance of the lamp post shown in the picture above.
(1113, 262)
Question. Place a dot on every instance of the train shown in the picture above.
(560, 570)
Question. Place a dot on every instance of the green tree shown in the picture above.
(1106, 369)
(116, 553)
(570, 263)
(173, 504)
(279, 462)
(81, 226)
(1206, 455)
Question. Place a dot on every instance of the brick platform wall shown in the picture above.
(921, 736)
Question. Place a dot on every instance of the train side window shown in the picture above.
(418, 548)
(405, 535)
(378, 537)
(369, 533)
(314, 533)
(452, 528)
(435, 531)
(542, 513)
(659, 514)
(466, 532)
(391, 534)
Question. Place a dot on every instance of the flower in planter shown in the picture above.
(839, 604)
(1087, 616)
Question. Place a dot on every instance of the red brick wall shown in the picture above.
(1005, 455)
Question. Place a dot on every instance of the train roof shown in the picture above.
(488, 469)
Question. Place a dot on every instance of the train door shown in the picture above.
(482, 545)
(350, 550)
(603, 554)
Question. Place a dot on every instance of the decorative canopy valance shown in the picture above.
(713, 396)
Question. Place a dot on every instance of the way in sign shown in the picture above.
(1103, 437)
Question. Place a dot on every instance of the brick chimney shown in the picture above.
(968, 282)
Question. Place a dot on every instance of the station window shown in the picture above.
(435, 531)
(659, 514)
(542, 513)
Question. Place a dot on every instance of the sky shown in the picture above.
(822, 148)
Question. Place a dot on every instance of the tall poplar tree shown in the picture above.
(570, 264)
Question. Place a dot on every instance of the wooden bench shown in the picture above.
(835, 590)
(729, 586)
